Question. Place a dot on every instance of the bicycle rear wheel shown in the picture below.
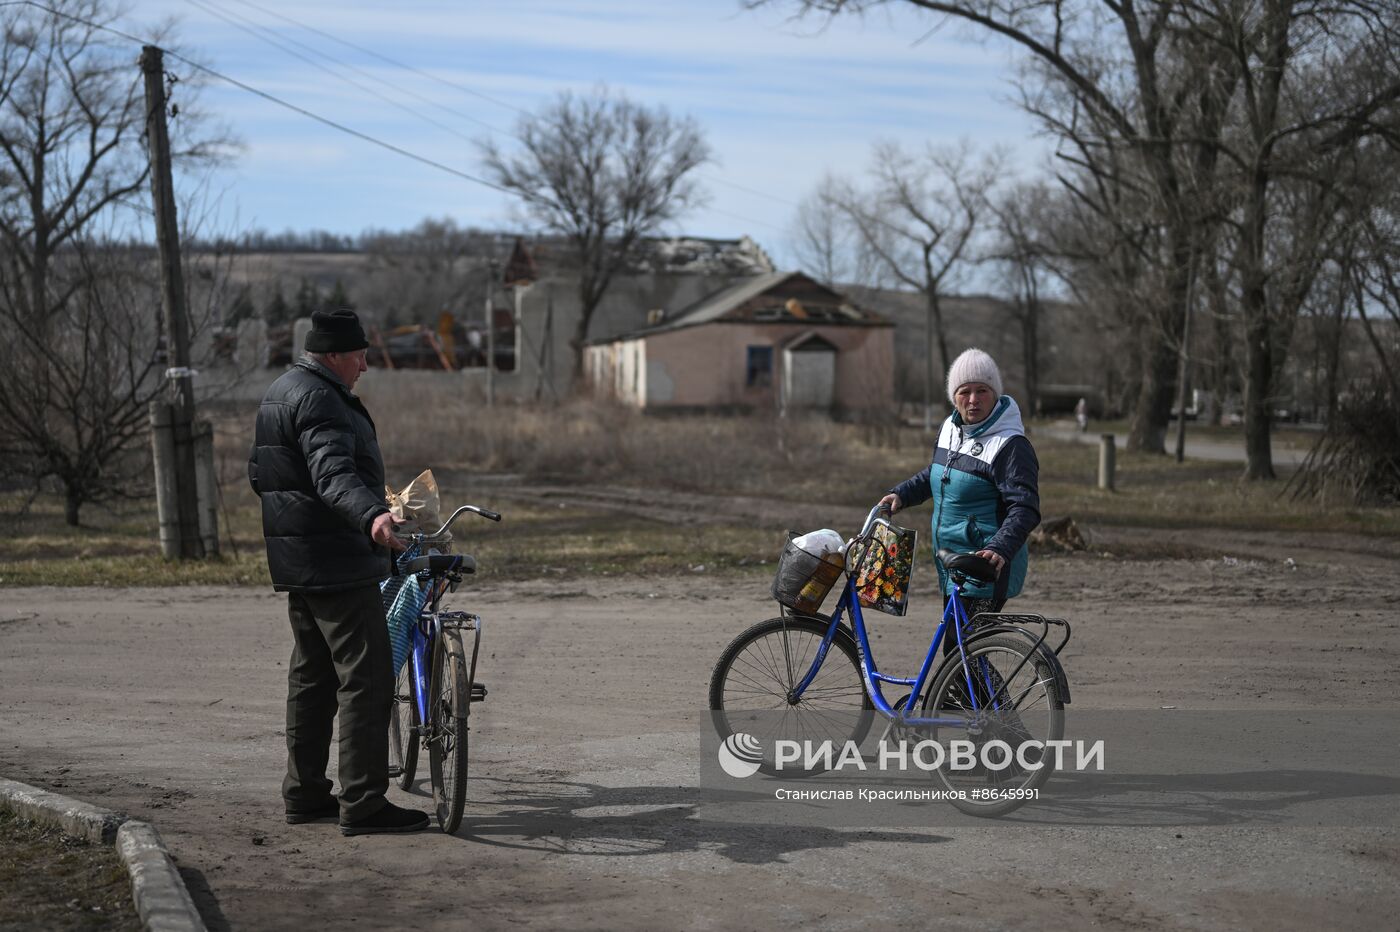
(449, 703)
(403, 728)
(1016, 701)
(753, 681)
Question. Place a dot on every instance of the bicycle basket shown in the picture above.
(803, 580)
(882, 564)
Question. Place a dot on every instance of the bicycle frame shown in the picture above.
(429, 626)
(425, 632)
(952, 612)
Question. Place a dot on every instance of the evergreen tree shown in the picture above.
(338, 298)
(278, 311)
(308, 298)
(242, 308)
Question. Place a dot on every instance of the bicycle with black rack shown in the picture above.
(436, 683)
(809, 675)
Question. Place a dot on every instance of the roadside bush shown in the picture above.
(1358, 458)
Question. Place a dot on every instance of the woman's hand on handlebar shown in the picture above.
(892, 502)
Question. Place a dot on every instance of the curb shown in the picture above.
(162, 900)
(161, 897)
(80, 819)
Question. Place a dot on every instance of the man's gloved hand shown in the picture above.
(382, 530)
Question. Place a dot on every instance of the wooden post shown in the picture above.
(1183, 368)
(1107, 453)
(490, 335)
(176, 318)
(163, 455)
(208, 488)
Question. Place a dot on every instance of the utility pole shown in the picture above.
(176, 319)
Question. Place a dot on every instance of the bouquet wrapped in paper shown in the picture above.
(882, 563)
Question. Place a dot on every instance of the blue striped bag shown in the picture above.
(403, 598)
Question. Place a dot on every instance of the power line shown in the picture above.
(340, 127)
(326, 121)
(349, 130)
(267, 35)
(384, 58)
(738, 187)
(461, 87)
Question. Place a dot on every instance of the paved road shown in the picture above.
(584, 811)
(1285, 454)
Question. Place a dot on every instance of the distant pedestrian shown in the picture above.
(316, 467)
(1081, 414)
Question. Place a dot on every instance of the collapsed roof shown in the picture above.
(775, 297)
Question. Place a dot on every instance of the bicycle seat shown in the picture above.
(978, 569)
(440, 564)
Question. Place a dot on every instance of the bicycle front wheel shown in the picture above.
(449, 695)
(403, 728)
(753, 691)
(1013, 699)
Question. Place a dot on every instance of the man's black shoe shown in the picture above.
(330, 810)
(390, 819)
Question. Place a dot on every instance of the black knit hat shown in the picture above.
(337, 331)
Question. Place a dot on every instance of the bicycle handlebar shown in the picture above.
(880, 509)
(485, 513)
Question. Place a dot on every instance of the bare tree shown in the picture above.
(1180, 88)
(1020, 245)
(825, 241)
(81, 361)
(1111, 71)
(916, 221)
(603, 172)
(418, 273)
(1315, 82)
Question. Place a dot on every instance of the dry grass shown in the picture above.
(798, 460)
(584, 442)
(1156, 491)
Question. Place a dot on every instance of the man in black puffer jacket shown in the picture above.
(317, 468)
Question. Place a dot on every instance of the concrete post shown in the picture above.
(300, 328)
(207, 486)
(1107, 453)
(163, 458)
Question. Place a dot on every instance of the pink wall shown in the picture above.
(704, 366)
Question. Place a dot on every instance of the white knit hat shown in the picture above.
(973, 366)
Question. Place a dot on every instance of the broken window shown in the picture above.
(759, 372)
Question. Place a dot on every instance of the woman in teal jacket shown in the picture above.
(983, 481)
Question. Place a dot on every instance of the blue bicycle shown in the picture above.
(437, 683)
(812, 678)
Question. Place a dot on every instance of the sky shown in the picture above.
(782, 100)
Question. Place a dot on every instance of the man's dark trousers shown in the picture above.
(341, 661)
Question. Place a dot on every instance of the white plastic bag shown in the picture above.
(823, 544)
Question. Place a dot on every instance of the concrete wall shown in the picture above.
(706, 366)
(228, 386)
(624, 309)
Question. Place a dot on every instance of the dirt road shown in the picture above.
(583, 808)
(1197, 448)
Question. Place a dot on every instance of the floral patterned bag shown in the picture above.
(881, 564)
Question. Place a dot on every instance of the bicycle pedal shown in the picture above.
(478, 692)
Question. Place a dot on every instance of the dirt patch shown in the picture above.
(582, 811)
(49, 880)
